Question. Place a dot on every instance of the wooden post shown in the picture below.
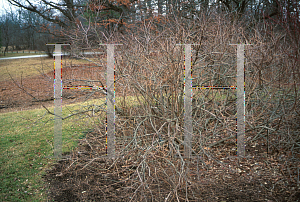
(240, 103)
(110, 101)
(57, 101)
(188, 122)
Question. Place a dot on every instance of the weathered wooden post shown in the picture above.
(188, 122)
(110, 101)
(240, 103)
(57, 100)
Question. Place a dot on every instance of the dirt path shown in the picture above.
(22, 57)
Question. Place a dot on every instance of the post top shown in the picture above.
(116, 44)
(64, 44)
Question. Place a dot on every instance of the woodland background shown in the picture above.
(149, 82)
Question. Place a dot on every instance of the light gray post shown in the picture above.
(188, 126)
(57, 101)
(240, 105)
(110, 101)
(188, 121)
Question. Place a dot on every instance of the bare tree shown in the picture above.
(10, 30)
(67, 10)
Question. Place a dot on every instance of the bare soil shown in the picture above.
(33, 92)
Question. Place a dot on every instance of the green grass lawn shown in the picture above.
(26, 141)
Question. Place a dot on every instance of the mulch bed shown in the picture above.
(88, 176)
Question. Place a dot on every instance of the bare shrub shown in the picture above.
(150, 78)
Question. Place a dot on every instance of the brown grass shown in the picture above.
(18, 68)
